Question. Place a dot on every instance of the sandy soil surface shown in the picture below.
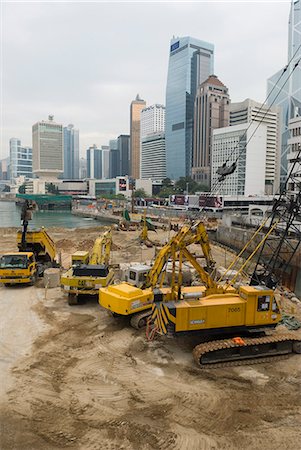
(75, 377)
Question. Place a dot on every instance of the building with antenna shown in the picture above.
(250, 111)
(284, 87)
(47, 149)
(190, 64)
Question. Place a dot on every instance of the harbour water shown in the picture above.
(10, 217)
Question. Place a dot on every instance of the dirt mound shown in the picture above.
(85, 244)
(64, 244)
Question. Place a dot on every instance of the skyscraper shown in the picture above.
(71, 153)
(287, 94)
(94, 162)
(82, 168)
(105, 150)
(124, 152)
(136, 107)
(250, 111)
(20, 160)
(114, 158)
(294, 160)
(47, 149)
(152, 120)
(211, 111)
(5, 169)
(190, 64)
(153, 157)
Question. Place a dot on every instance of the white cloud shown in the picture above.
(85, 62)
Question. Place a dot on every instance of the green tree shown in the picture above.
(21, 189)
(52, 189)
(166, 182)
(166, 192)
(186, 182)
(111, 196)
(140, 193)
(202, 188)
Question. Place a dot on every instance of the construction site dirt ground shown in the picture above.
(75, 377)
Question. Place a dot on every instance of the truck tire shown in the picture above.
(72, 300)
(33, 280)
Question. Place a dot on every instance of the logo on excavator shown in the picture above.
(234, 309)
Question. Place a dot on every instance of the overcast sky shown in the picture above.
(85, 62)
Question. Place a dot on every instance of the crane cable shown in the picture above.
(265, 101)
(217, 182)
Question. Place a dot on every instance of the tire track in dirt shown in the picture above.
(90, 379)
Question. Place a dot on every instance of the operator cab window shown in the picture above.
(14, 261)
(132, 275)
(263, 303)
(275, 306)
(142, 276)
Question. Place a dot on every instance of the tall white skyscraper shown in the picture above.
(152, 146)
(152, 120)
(250, 111)
(288, 94)
(47, 149)
(153, 157)
(105, 161)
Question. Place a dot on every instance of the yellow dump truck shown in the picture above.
(36, 253)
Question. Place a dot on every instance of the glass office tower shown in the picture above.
(20, 160)
(190, 63)
(71, 153)
(286, 91)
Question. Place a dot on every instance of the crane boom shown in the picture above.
(178, 244)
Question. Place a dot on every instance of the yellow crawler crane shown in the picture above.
(252, 311)
(126, 299)
(87, 275)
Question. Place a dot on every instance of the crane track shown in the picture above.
(139, 320)
(210, 347)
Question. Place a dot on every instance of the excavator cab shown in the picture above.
(137, 275)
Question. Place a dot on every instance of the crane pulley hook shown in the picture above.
(223, 170)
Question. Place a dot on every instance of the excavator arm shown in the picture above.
(101, 249)
(195, 234)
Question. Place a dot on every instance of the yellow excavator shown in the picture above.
(238, 326)
(144, 286)
(89, 273)
(233, 325)
(36, 253)
(210, 309)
